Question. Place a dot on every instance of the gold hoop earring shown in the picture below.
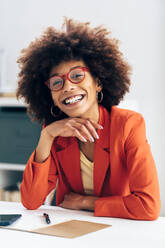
(53, 113)
(99, 98)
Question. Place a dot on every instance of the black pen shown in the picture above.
(47, 218)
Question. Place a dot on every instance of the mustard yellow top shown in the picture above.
(86, 174)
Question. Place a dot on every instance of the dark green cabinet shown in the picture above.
(18, 135)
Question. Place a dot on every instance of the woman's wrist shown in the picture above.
(89, 202)
(46, 136)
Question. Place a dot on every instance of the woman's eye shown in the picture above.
(56, 82)
(77, 75)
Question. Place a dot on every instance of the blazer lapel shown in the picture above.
(102, 150)
(69, 160)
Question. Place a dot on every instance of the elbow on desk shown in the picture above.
(149, 216)
(153, 209)
(29, 200)
(29, 205)
(144, 207)
(154, 214)
(150, 213)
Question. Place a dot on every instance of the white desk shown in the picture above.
(123, 233)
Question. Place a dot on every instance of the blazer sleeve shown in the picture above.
(38, 181)
(143, 202)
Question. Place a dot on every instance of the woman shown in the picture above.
(94, 154)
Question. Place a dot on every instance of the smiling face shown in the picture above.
(76, 100)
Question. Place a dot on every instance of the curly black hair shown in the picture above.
(75, 41)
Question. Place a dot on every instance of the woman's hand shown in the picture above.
(78, 202)
(83, 129)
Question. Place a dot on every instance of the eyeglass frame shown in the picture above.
(65, 76)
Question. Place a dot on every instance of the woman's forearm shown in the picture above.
(44, 146)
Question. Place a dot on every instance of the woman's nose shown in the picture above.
(68, 86)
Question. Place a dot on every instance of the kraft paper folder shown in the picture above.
(67, 229)
(71, 229)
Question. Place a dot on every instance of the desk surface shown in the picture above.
(123, 233)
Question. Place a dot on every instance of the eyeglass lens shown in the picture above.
(74, 76)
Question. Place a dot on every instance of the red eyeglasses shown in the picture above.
(75, 76)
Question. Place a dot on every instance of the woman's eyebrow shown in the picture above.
(56, 73)
(74, 67)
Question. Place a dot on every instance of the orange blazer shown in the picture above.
(125, 176)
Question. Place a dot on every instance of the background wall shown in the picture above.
(138, 24)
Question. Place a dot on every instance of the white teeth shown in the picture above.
(73, 99)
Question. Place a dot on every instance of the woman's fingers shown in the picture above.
(76, 133)
(96, 125)
(92, 129)
(85, 128)
(84, 131)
